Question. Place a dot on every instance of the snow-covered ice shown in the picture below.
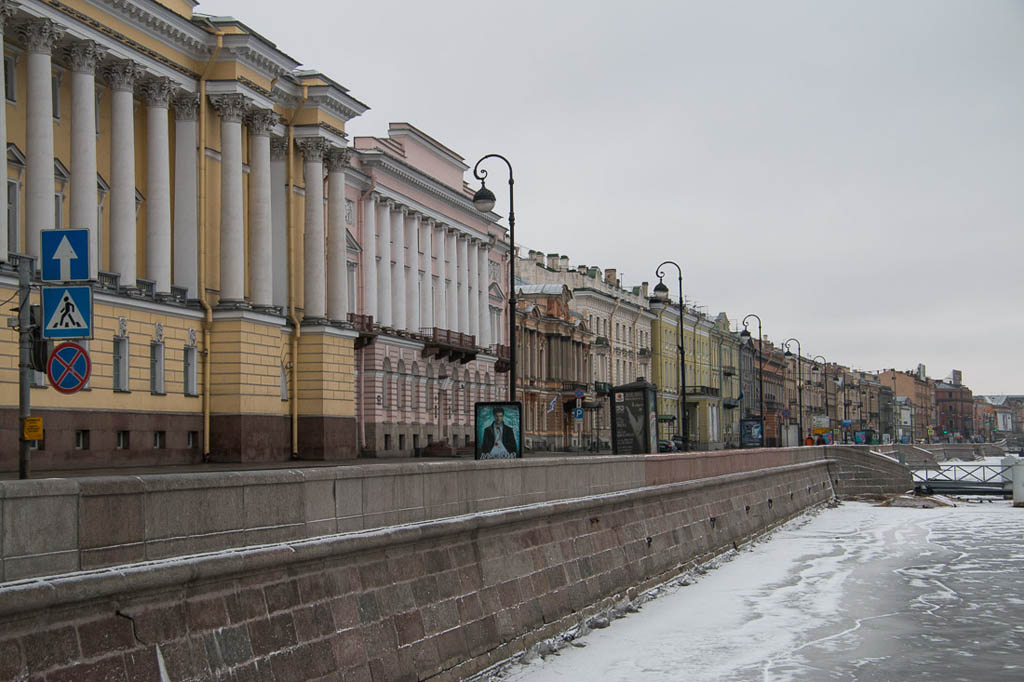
(853, 593)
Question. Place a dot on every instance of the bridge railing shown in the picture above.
(971, 473)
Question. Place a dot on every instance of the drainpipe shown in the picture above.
(292, 274)
(360, 410)
(203, 300)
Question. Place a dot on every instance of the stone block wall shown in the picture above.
(441, 599)
(858, 471)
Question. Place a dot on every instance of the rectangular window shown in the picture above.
(159, 440)
(121, 364)
(190, 371)
(401, 441)
(284, 382)
(82, 439)
(55, 88)
(156, 368)
(10, 85)
(13, 242)
(123, 441)
(193, 439)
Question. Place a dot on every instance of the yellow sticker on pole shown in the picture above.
(33, 428)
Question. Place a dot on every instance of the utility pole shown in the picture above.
(24, 361)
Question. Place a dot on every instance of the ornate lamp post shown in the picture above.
(484, 200)
(824, 385)
(799, 384)
(661, 293)
(760, 365)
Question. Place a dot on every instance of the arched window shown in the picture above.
(429, 388)
(415, 386)
(385, 394)
(403, 386)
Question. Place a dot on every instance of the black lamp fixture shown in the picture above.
(760, 365)
(661, 294)
(484, 201)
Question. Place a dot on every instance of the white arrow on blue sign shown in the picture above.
(65, 255)
(67, 312)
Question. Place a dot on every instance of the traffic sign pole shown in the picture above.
(24, 361)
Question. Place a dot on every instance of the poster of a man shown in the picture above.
(498, 430)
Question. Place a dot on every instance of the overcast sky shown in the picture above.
(850, 170)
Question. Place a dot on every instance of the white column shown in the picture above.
(427, 290)
(261, 235)
(398, 318)
(6, 11)
(472, 281)
(412, 277)
(384, 262)
(441, 294)
(121, 76)
(451, 290)
(82, 57)
(337, 239)
(314, 290)
(232, 230)
(186, 193)
(157, 94)
(463, 280)
(483, 301)
(279, 218)
(39, 35)
(368, 257)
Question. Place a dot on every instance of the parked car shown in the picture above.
(666, 446)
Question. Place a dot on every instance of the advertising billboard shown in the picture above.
(499, 430)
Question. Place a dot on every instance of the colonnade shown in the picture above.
(420, 273)
(552, 358)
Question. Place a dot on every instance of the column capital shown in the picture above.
(122, 74)
(260, 121)
(313, 148)
(278, 148)
(337, 159)
(82, 55)
(40, 35)
(156, 92)
(231, 107)
(427, 220)
(186, 106)
(386, 201)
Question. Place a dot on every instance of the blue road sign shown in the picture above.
(67, 312)
(65, 255)
(577, 412)
(579, 393)
(69, 367)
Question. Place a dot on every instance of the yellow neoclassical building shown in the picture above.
(228, 216)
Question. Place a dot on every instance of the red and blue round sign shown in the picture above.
(68, 367)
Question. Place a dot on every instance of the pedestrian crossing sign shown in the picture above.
(67, 312)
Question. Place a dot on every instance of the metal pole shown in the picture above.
(24, 361)
(684, 428)
(760, 367)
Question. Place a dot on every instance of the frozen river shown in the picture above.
(854, 593)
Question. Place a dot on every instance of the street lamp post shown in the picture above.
(484, 201)
(799, 385)
(824, 385)
(661, 293)
(760, 366)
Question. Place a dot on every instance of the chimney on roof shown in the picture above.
(609, 277)
(643, 290)
(553, 261)
(564, 262)
(582, 269)
(538, 257)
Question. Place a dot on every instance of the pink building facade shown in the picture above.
(428, 288)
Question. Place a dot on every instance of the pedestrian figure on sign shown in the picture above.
(65, 314)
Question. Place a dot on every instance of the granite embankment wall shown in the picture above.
(446, 593)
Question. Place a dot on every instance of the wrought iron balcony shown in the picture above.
(729, 370)
(601, 341)
(708, 391)
(645, 352)
(730, 403)
(572, 387)
(444, 343)
(363, 324)
(602, 387)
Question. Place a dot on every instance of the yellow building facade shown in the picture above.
(221, 196)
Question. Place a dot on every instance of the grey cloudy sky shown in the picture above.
(851, 170)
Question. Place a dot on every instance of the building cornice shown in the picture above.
(159, 22)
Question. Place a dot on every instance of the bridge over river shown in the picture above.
(425, 570)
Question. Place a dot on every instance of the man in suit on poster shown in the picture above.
(499, 440)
